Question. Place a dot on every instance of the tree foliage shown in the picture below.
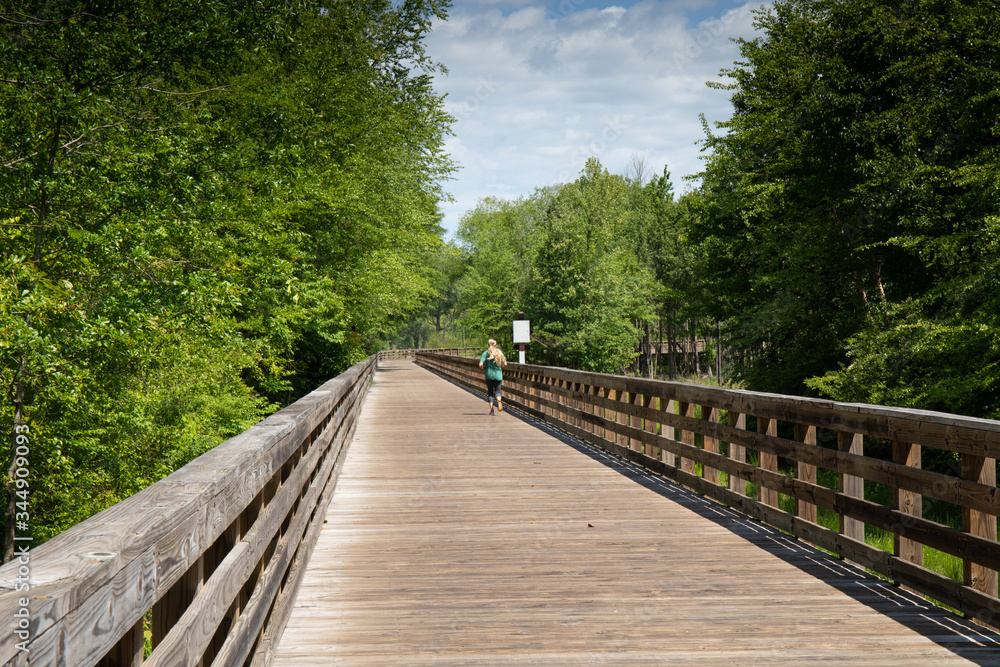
(582, 261)
(590, 291)
(501, 239)
(206, 209)
(849, 211)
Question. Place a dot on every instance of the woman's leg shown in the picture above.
(491, 391)
(499, 395)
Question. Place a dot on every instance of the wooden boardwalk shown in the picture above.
(456, 538)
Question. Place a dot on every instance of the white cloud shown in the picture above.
(536, 89)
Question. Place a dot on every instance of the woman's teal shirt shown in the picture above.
(493, 371)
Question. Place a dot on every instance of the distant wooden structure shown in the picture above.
(681, 346)
(411, 353)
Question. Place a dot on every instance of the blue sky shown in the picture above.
(538, 87)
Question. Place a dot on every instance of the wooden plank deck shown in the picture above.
(456, 538)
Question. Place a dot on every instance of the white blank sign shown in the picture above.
(522, 331)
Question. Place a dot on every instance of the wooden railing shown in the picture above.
(411, 353)
(716, 441)
(207, 561)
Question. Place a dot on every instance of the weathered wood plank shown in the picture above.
(737, 452)
(687, 438)
(710, 444)
(650, 426)
(805, 433)
(968, 435)
(86, 634)
(768, 460)
(490, 541)
(982, 471)
(191, 634)
(851, 485)
(136, 552)
(976, 494)
(907, 502)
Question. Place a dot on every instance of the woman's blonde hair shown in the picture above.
(494, 353)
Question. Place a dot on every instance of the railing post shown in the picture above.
(557, 400)
(623, 398)
(667, 405)
(550, 409)
(517, 382)
(562, 400)
(767, 460)
(710, 444)
(652, 426)
(576, 404)
(635, 422)
(223, 545)
(907, 502)
(129, 649)
(806, 472)
(851, 485)
(542, 394)
(982, 470)
(737, 452)
(687, 436)
(608, 413)
(525, 379)
(586, 407)
(174, 602)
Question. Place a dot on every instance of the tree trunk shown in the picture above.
(659, 344)
(684, 360)
(878, 279)
(718, 353)
(694, 348)
(670, 347)
(649, 351)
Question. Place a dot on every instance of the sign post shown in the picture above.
(522, 336)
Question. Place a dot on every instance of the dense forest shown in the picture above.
(843, 236)
(207, 209)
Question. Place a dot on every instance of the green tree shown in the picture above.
(435, 326)
(848, 195)
(501, 239)
(677, 295)
(450, 266)
(363, 162)
(589, 293)
(102, 132)
(197, 202)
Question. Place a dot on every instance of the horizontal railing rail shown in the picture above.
(205, 563)
(747, 449)
(411, 353)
